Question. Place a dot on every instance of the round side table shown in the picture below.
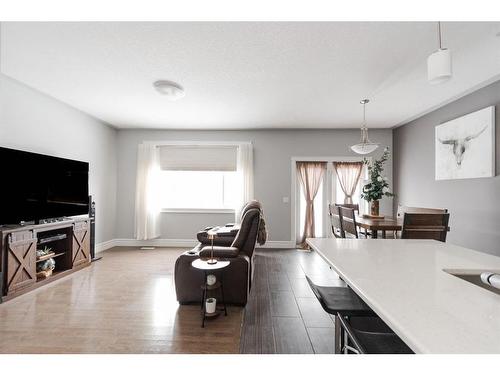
(202, 265)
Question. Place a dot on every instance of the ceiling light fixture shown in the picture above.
(365, 146)
(172, 91)
(439, 63)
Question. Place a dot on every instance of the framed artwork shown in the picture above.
(465, 146)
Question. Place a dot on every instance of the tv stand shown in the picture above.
(52, 220)
(70, 249)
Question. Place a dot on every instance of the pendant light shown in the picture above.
(365, 146)
(439, 63)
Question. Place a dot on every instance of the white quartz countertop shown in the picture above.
(404, 283)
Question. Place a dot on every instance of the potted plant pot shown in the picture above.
(375, 208)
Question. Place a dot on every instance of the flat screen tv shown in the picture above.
(35, 187)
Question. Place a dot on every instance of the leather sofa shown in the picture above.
(234, 243)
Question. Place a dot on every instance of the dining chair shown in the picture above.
(348, 221)
(425, 226)
(354, 206)
(335, 221)
(418, 210)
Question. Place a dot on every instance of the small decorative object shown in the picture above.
(377, 186)
(41, 253)
(465, 147)
(212, 233)
(211, 280)
(44, 268)
(210, 305)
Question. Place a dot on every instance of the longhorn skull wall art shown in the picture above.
(465, 147)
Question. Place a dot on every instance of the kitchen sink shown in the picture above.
(473, 277)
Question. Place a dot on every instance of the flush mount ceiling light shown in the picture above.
(365, 146)
(171, 90)
(439, 63)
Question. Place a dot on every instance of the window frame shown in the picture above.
(197, 143)
(327, 188)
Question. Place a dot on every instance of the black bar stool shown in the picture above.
(340, 301)
(370, 335)
(357, 328)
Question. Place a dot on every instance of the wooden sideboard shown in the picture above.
(69, 241)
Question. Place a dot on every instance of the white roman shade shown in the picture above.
(199, 157)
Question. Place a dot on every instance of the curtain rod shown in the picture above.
(196, 143)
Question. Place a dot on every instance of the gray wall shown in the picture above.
(474, 204)
(273, 150)
(33, 121)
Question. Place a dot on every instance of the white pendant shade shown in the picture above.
(364, 148)
(439, 66)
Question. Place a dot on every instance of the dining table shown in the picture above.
(375, 225)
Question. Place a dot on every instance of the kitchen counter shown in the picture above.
(404, 282)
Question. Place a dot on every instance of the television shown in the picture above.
(36, 187)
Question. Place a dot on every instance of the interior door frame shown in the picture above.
(294, 191)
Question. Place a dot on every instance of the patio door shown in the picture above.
(329, 192)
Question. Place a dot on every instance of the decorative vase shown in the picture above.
(211, 280)
(210, 305)
(374, 208)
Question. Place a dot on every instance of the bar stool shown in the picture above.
(341, 302)
(371, 336)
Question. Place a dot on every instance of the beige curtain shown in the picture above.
(348, 174)
(310, 177)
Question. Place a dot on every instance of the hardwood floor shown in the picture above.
(282, 315)
(103, 309)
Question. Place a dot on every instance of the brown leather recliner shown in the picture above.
(237, 276)
(227, 233)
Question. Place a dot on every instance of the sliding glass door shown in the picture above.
(329, 192)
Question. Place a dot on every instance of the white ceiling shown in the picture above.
(248, 75)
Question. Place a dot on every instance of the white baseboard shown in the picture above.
(277, 245)
(167, 242)
(104, 246)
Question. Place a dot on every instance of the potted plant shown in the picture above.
(377, 186)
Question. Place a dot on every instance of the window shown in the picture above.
(339, 194)
(329, 192)
(356, 197)
(200, 177)
(199, 190)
